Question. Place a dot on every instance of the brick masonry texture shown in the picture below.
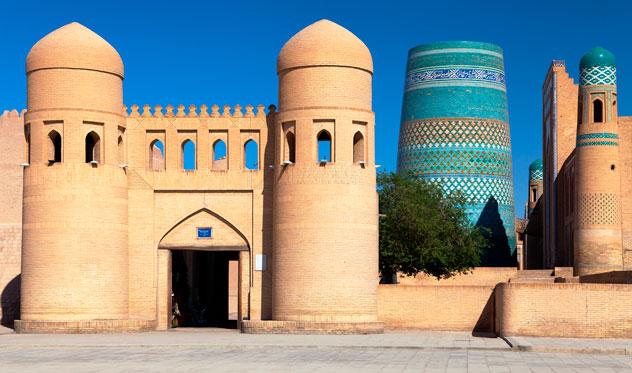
(578, 310)
(11, 156)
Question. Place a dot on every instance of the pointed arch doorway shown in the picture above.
(205, 256)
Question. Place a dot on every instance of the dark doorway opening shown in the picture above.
(204, 288)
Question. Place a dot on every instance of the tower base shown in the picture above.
(84, 326)
(310, 327)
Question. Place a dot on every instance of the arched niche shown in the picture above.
(184, 235)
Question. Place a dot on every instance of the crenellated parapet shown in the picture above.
(156, 138)
(192, 111)
(11, 116)
(12, 138)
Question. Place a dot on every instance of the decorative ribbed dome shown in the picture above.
(74, 46)
(324, 43)
(597, 56)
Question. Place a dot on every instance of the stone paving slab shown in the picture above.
(297, 359)
(576, 345)
(230, 338)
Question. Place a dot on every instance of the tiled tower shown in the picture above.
(598, 246)
(536, 185)
(75, 257)
(455, 132)
(325, 257)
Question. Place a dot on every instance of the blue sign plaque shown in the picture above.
(204, 232)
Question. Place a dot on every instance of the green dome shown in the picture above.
(597, 56)
(535, 170)
(535, 165)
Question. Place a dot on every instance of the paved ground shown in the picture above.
(217, 350)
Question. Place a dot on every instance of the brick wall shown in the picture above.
(482, 276)
(564, 310)
(11, 156)
(463, 308)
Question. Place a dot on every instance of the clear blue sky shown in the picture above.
(225, 52)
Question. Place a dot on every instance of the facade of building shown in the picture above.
(455, 132)
(586, 168)
(117, 222)
(116, 218)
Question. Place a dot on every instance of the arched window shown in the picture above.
(93, 148)
(251, 155)
(290, 147)
(156, 156)
(188, 155)
(54, 149)
(597, 111)
(534, 194)
(358, 147)
(324, 146)
(220, 161)
(121, 150)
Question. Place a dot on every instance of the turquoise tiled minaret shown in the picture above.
(455, 131)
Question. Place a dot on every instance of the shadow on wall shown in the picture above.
(612, 277)
(10, 302)
(485, 324)
(497, 253)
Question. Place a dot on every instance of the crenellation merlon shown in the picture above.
(9, 116)
(192, 111)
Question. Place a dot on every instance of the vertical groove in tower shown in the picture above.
(536, 184)
(598, 246)
(325, 212)
(455, 132)
(75, 257)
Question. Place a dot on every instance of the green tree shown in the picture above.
(424, 230)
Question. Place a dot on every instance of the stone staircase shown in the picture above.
(559, 274)
(534, 276)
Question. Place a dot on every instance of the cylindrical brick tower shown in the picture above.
(598, 246)
(536, 184)
(75, 256)
(455, 132)
(325, 259)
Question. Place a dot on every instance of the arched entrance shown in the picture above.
(204, 272)
(204, 288)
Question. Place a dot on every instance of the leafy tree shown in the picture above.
(424, 230)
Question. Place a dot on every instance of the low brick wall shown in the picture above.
(432, 307)
(481, 276)
(614, 277)
(572, 310)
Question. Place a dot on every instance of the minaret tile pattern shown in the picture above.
(455, 129)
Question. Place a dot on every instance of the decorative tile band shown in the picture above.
(440, 76)
(455, 133)
(597, 143)
(455, 50)
(598, 75)
(536, 175)
(599, 135)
